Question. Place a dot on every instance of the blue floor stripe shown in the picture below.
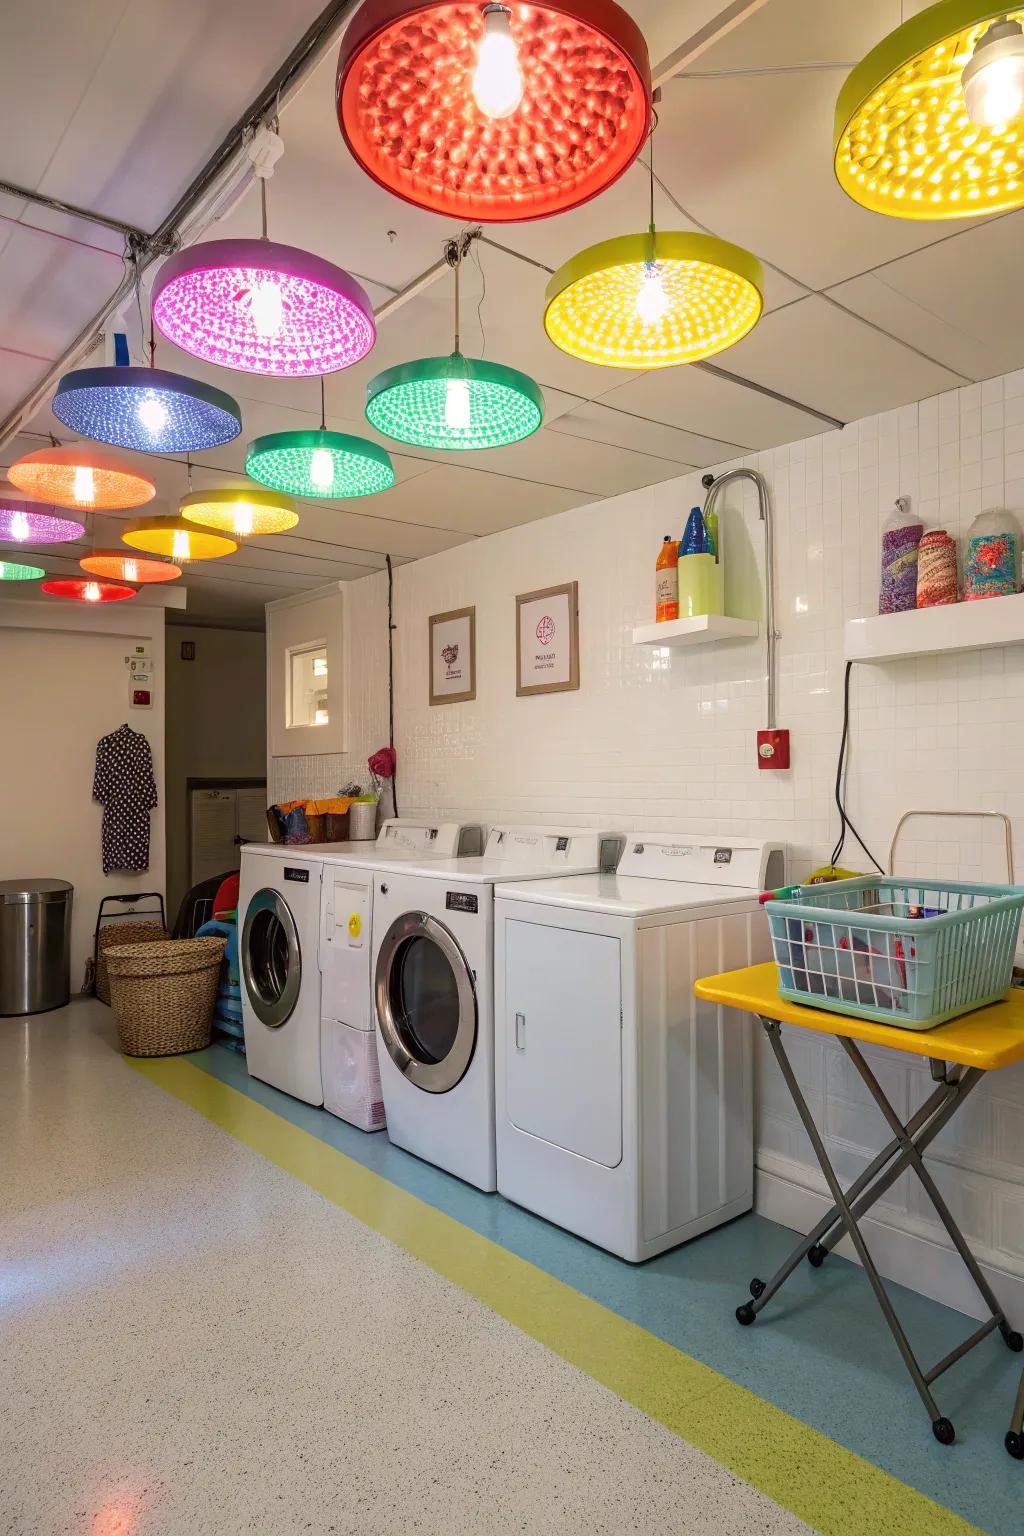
(821, 1352)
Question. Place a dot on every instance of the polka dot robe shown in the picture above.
(125, 787)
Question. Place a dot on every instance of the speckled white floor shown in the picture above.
(192, 1342)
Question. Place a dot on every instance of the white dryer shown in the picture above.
(433, 933)
(348, 1041)
(624, 1105)
(279, 923)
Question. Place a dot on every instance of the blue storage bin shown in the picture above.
(903, 952)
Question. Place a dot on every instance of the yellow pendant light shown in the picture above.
(930, 125)
(242, 510)
(179, 540)
(654, 300)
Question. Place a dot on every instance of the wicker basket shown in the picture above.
(143, 931)
(163, 995)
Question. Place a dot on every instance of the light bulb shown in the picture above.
(242, 520)
(91, 592)
(152, 413)
(131, 571)
(456, 405)
(20, 526)
(652, 300)
(321, 469)
(497, 79)
(266, 308)
(993, 80)
(84, 490)
(180, 544)
(321, 717)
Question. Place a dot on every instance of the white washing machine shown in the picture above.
(348, 1040)
(624, 1105)
(279, 924)
(433, 931)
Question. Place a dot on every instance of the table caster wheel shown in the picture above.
(943, 1431)
(817, 1255)
(1013, 1340)
(1015, 1445)
(757, 1288)
(745, 1314)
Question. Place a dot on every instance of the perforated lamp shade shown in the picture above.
(320, 464)
(240, 512)
(179, 540)
(265, 308)
(408, 113)
(709, 294)
(147, 409)
(411, 403)
(85, 589)
(32, 522)
(116, 565)
(80, 477)
(10, 570)
(904, 144)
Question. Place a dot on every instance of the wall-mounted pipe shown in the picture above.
(714, 488)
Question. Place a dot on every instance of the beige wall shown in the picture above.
(216, 726)
(63, 685)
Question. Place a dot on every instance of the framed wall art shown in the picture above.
(453, 656)
(548, 640)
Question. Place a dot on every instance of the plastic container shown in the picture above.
(666, 584)
(901, 536)
(936, 570)
(700, 586)
(902, 952)
(992, 557)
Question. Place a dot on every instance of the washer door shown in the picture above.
(271, 959)
(426, 1002)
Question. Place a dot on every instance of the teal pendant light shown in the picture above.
(318, 464)
(455, 402)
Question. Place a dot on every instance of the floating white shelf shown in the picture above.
(699, 631)
(933, 631)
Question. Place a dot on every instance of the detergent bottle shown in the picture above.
(666, 581)
(699, 573)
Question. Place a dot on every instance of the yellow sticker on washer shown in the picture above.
(355, 925)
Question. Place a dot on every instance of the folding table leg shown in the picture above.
(1015, 1434)
(941, 1427)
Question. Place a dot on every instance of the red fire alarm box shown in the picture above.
(773, 749)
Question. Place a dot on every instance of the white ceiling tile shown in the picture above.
(600, 423)
(704, 404)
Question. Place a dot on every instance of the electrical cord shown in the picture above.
(845, 824)
(391, 678)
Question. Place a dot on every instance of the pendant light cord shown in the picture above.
(391, 677)
(458, 269)
(323, 405)
(263, 208)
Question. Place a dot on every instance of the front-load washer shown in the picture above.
(279, 923)
(432, 956)
(624, 1105)
(348, 1040)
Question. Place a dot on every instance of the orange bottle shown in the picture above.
(666, 577)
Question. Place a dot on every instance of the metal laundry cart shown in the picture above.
(960, 1053)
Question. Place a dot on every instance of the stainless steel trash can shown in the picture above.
(35, 945)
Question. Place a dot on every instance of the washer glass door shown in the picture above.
(426, 1002)
(271, 959)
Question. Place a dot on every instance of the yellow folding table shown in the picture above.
(960, 1053)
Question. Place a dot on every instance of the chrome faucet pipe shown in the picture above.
(714, 487)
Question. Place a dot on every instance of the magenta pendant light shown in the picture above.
(265, 308)
(35, 522)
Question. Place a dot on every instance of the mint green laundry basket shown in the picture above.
(903, 952)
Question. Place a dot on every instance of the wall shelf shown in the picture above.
(936, 631)
(699, 631)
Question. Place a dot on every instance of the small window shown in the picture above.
(307, 685)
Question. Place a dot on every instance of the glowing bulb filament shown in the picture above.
(652, 300)
(456, 405)
(131, 571)
(266, 308)
(91, 592)
(84, 490)
(180, 544)
(152, 413)
(20, 526)
(243, 517)
(497, 79)
(321, 469)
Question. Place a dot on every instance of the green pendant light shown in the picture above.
(454, 402)
(322, 465)
(11, 570)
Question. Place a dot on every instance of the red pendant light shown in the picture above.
(497, 112)
(81, 589)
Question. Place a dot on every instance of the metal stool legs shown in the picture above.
(904, 1151)
(1014, 1441)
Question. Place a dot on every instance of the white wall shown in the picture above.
(216, 726)
(63, 685)
(665, 739)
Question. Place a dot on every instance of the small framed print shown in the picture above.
(548, 640)
(453, 656)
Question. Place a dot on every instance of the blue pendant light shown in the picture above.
(147, 409)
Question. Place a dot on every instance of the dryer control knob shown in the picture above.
(383, 890)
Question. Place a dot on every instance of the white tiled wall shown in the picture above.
(662, 738)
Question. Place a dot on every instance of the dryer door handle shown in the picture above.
(520, 1031)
